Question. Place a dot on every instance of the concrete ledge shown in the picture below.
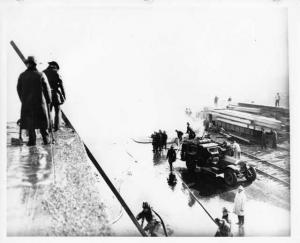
(53, 196)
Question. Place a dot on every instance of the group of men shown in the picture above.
(224, 224)
(39, 93)
(159, 141)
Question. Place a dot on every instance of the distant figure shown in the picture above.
(274, 138)
(34, 93)
(277, 100)
(216, 101)
(179, 135)
(263, 139)
(171, 156)
(190, 131)
(165, 139)
(161, 140)
(57, 90)
(239, 205)
(223, 228)
(229, 102)
(206, 125)
(155, 141)
(152, 223)
(236, 150)
(225, 215)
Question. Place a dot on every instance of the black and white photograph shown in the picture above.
(148, 118)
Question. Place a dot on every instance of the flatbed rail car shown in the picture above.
(248, 126)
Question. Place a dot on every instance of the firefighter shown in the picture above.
(160, 140)
(179, 135)
(164, 139)
(171, 156)
(277, 100)
(263, 139)
(152, 223)
(190, 131)
(223, 228)
(216, 99)
(206, 125)
(57, 90)
(239, 205)
(274, 138)
(236, 149)
(34, 92)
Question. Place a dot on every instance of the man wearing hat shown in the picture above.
(239, 205)
(152, 223)
(57, 90)
(190, 131)
(223, 228)
(34, 92)
(171, 156)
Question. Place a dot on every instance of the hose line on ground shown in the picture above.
(162, 222)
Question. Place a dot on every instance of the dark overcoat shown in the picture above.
(56, 85)
(34, 93)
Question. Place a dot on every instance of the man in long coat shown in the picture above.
(171, 156)
(274, 138)
(239, 205)
(34, 92)
(263, 139)
(57, 91)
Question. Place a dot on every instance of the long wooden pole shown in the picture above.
(18, 51)
(96, 164)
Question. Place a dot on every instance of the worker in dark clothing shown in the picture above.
(155, 142)
(57, 90)
(263, 139)
(223, 228)
(152, 223)
(216, 99)
(171, 156)
(34, 92)
(274, 139)
(190, 131)
(160, 139)
(225, 215)
(277, 100)
(179, 135)
(206, 125)
(165, 139)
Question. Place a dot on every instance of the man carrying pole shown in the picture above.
(34, 93)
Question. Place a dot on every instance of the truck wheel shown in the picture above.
(250, 174)
(230, 177)
(190, 165)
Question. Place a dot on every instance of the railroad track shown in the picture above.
(270, 170)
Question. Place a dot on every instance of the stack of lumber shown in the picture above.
(243, 119)
(245, 109)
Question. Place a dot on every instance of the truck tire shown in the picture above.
(250, 174)
(190, 165)
(230, 177)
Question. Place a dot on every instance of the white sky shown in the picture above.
(151, 60)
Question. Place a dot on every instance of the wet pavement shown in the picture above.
(139, 176)
(51, 189)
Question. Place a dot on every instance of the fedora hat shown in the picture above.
(31, 59)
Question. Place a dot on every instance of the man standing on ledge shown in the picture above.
(57, 90)
(277, 100)
(34, 92)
